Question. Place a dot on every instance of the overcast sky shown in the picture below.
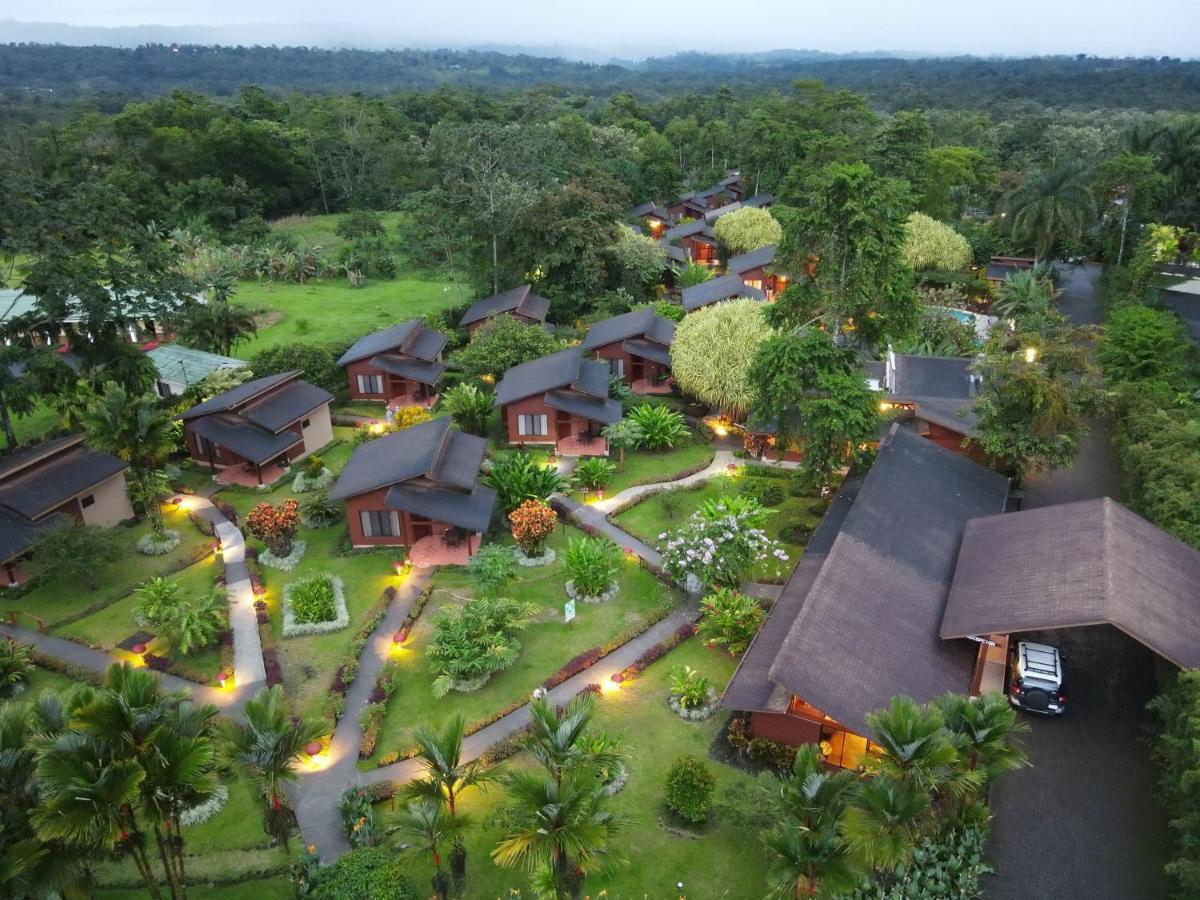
(635, 27)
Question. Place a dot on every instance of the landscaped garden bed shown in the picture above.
(547, 644)
(790, 524)
(651, 466)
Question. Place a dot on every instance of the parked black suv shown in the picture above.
(1036, 679)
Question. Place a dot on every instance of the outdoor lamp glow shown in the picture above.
(1031, 354)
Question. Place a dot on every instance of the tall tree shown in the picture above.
(1051, 204)
(216, 326)
(135, 429)
(1132, 184)
(850, 234)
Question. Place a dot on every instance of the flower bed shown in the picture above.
(152, 545)
(531, 562)
(613, 588)
(372, 715)
(285, 563)
(657, 652)
(315, 605)
(303, 482)
(698, 713)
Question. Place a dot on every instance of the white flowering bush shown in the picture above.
(308, 601)
(152, 544)
(202, 812)
(720, 544)
(304, 482)
(284, 563)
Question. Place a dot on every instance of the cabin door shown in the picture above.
(562, 425)
(638, 370)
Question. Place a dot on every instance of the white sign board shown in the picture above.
(569, 611)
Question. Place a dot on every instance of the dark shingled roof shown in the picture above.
(932, 377)
(744, 262)
(244, 438)
(518, 300)
(651, 350)
(472, 511)
(649, 208)
(713, 214)
(416, 369)
(280, 408)
(644, 322)
(32, 490)
(37, 479)
(674, 254)
(556, 370)
(867, 628)
(727, 287)
(696, 228)
(1085, 563)
(431, 450)
(751, 687)
(239, 395)
(410, 338)
(759, 200)
(1000, 267)
(606, 412)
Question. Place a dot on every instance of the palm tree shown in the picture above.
(217, 326)
(133, 428)
(919, 752)
(1024, 294)
(883, 824)
(1051, 204)
(809, 856)
(561, 831)
(989, 725)
(429, 825)
(559, 741)
(269, 744)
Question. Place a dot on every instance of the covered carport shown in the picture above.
(1121, 599)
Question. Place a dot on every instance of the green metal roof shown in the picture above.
(184, 365)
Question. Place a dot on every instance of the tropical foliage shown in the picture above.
(518, 476)
(475, 640)
(469, 407)
(729, 619)
(189, 623)
(746, 229)
(532, 524)
(712, 352)
(690, 786)
(930, 244)
(16, 665)
(500, 344)
(594, 472)
(689, 688)
(72, 552)
(659, 427)
(592, 565)
(719, 546)
(1050, 205)
(275, 526)
(492, 567)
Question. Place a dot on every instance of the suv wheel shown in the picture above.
(1037, 699)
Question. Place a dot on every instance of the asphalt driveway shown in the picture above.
(1082, 821)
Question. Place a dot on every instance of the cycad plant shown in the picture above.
(918, 750)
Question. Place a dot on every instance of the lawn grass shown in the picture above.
(646, 519)
(280, 888)
(545, 646)
(332, 310)
(646, 467)
(716, 861)
(44, 680)
(33, 427)
(321, 230)
(53, 602)
(111, 625)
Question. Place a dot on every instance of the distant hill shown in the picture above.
(889, 82)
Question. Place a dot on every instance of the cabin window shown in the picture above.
(89, 500)
(532, 425)
(380, 523)
(370, 384)
(305, 423)
(164, 389)
(617, 367)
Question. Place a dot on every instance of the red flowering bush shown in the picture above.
(730, 620)
(275, 526)
(532, 523)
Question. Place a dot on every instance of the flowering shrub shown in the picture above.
(690, 786)
(275, 526)
(151, 544)
(730, 620)
(315, 605)
(532, 523)
(719, 546)
(407, 416)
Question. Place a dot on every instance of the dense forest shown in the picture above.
(887, 83)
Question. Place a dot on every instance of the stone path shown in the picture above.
(316, 794)
(722, 459)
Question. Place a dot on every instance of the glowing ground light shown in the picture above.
(1030, 354)
(138, 649)
(400, 637)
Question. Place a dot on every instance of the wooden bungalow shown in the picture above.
(697, 241)
(49, 483)
(935, 396)
(518, 302)
(253, 432)
(857, 623)
(418, 488)
(688, 206)
(653, 218)
(637, 348)
(561, 400)
(399, 366)
(756, 269)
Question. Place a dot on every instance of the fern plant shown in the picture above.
(473, 641)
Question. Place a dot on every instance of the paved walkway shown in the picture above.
(722, 459)
(248, 667)
(316, 794)
(592, 516)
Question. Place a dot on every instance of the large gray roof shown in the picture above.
(416, 369)
(651, 350)
(37, 479)
(278, 409)
(754, 259)
(1086, 563)
(867, 628)
(410, 338)
(644, 322)
(555, 370)
(726, 287)
(472, 511)
(933, 377)
(606, 411)
(432, 451)
(243, 437)
(239, 395)
(518, 299)
(696, 228)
